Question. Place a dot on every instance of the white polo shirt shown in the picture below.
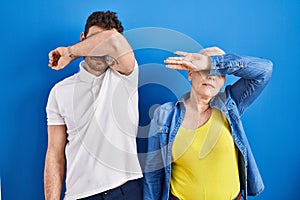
(101, 115)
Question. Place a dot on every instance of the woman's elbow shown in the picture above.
(269, 69)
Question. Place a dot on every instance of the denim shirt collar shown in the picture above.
(183, 98)
(186, 96)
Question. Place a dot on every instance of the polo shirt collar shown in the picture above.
(87, 76)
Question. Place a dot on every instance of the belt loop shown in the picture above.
(239, 196)
(122, 191)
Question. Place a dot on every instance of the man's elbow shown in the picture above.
(126, 64)
(54, 156)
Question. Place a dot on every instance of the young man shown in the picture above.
(93, 117)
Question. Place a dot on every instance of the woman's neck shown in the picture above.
(198, 103)
(198, 111)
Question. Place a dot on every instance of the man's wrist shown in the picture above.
(71, 55)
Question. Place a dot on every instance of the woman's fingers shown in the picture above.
(179, 67)
(181, 53)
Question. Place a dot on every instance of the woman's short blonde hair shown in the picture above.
(212, 51)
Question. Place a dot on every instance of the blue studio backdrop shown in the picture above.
(264, 28)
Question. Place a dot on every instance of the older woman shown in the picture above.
(197, 147)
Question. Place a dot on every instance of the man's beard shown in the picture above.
(97, 64)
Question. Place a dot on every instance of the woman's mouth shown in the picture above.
(208, 85)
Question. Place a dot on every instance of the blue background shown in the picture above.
(265, 28)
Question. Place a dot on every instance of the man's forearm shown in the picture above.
(108, 42)
(53, 177)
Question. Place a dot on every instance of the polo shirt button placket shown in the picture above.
(104, 196)
(95, 87)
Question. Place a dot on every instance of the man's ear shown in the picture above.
(82, 37)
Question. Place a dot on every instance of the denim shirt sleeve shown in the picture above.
(254, 75)
(154, 163)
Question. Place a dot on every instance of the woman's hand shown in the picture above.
(188, 61)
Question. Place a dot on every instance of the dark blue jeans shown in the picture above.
(131, 190)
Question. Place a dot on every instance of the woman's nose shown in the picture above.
(211, 77)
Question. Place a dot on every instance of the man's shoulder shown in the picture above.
(67, 82)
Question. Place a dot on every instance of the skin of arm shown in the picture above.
(108, 42)
(55, 162)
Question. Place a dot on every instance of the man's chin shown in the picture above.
(100, 69)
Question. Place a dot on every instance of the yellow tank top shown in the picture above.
(205, 162)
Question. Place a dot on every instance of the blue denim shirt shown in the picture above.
(254, 74)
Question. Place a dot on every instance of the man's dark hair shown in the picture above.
(107, 20)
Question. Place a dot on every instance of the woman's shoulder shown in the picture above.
(165, 110)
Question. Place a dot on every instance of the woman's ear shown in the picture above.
(190, 75)
(82, 37)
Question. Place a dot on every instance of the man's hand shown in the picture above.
(59, 58)
(188, 61)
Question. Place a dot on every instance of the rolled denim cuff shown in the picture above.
(219, 64)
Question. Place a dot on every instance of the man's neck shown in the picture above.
(91, 71)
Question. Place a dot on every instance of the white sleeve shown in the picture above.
(53, 114)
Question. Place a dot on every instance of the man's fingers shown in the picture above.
(53, 62)
(54, 57)
(50, 54)
(55, 67)
(58, 58)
